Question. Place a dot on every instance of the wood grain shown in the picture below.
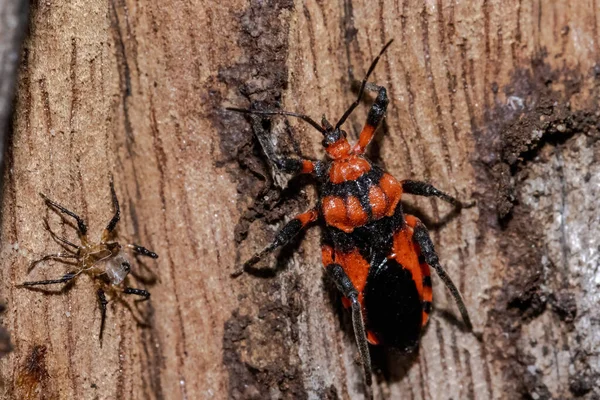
(136, 91)
(13, 20)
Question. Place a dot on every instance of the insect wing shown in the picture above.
(393, 304)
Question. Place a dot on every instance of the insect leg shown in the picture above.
(343, 283)
(50, 257)
(299, 166)
(103, 302)
(81, 226)
(422, 238)
(293, 165)
(284, 236)
(425, 189)
(65, 278)
(141, 250)
(116, 217)
(376, 114)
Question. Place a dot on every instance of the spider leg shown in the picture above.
(141, 250)
(50, 257)
(283, 237)
(344, 285)
(103, 302)
(81, 226)
(422, 238)
(65, 278)
(138, 292)
(425, 189)
(374, 118)
(62, 240)
(116, 217)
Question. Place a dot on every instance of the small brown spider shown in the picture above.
(105, 260)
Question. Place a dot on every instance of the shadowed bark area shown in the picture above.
(13, 20)
(493, 100)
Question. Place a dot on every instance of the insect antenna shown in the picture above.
(280, 112)
(362, 86)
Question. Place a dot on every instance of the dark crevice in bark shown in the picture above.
(260, 347)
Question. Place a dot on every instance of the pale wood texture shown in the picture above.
(136, 90)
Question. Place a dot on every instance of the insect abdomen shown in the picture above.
(393, 305)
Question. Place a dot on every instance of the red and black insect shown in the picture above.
(378, 256)
(105, 260)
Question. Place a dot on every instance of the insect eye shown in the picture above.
(331, 138)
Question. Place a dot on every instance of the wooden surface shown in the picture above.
(13, 20)
(491, 100)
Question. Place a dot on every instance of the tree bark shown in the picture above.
(489, 100)
(13, 18)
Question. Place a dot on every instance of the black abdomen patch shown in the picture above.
(393, 306)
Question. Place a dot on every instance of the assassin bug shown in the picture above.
(105, 260)
(378, 256)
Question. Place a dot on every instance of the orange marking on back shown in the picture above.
(343, 215)
(339, 149)
(425, 318)
(357, 269)
(346, 302)
(349, 169)
(411, 220)
(356, 215)
(372, 338)
(364, 139)
(334, 211)
(393, 191)
(406, 254)
(307, 167)
(354, 265)
(378, 202)
(307, 217)
(326, 255)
